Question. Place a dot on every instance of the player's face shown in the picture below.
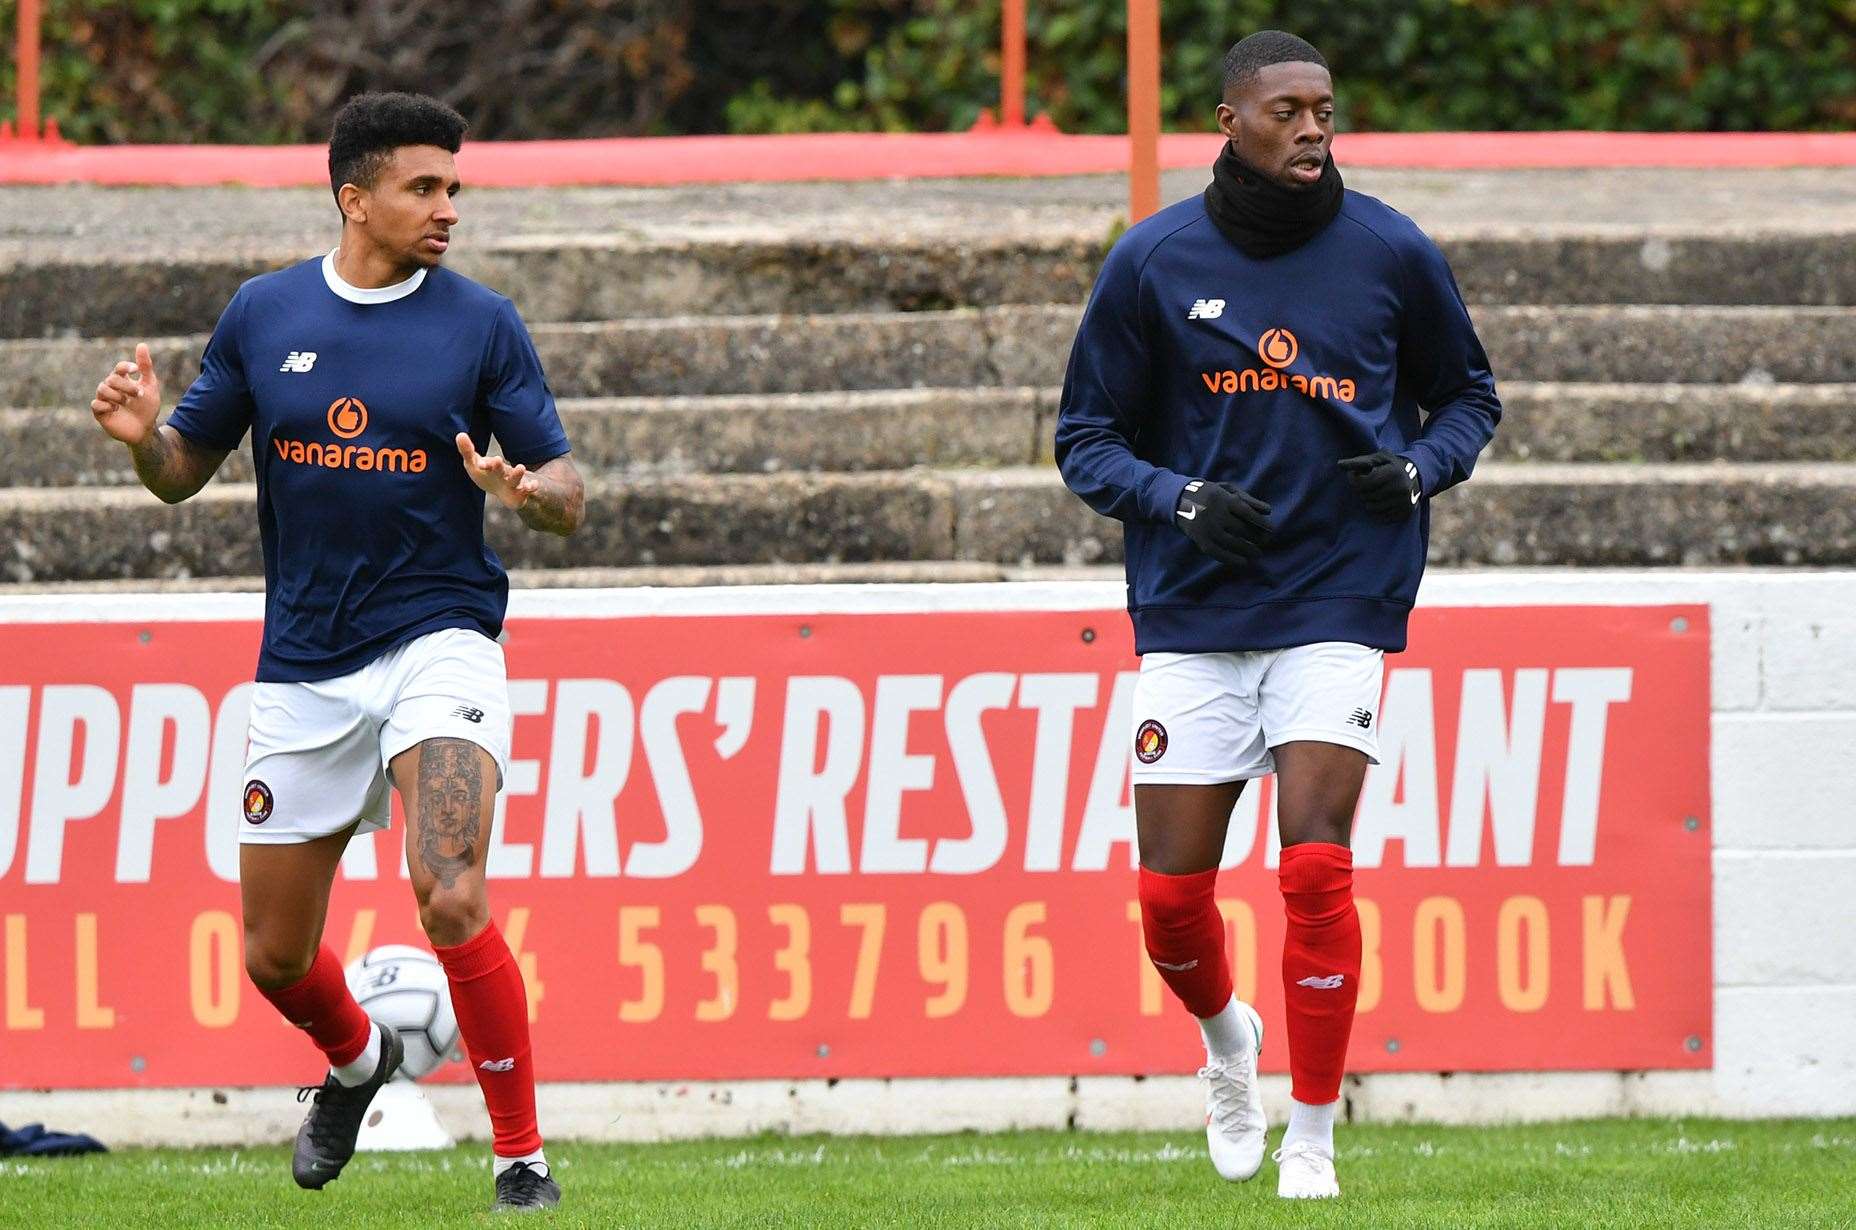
(1282, 122)
(410, 211)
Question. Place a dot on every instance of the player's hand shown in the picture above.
(129, 399)
(511, 485)
(1226, 523)
(1387, 483)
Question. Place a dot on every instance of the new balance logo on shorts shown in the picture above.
(1206, 309)
(467, 713)
(1330, 983)
(299, 361)
(1363, 718)
(498, 1065)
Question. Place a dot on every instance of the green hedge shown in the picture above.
(266, 70)
(1655, 65)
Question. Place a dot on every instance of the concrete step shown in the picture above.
(1509, 515)
(895, 429)
(676, 576)
(1548, 514)
(579, 278)
(880, 429)
(1676, 422)
(1028, 347)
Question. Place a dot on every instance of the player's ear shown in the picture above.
(1227, 120)
(353, 202)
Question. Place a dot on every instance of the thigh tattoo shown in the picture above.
(450, 807)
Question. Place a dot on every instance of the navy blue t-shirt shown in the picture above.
(1197, 361)
(372, 531)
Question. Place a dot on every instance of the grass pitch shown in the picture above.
(1559, 1176)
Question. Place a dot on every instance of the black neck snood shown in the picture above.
(1265, 218)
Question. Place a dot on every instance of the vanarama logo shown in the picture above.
(1278, 348)
(348, 419)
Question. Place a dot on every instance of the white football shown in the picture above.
(405, 987)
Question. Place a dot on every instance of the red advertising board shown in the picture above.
(783, 845)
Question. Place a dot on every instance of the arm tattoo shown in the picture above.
(172, 466)
(450, 807)
(560, 505)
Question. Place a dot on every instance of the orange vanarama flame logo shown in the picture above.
(1278, 349)
(347, 417)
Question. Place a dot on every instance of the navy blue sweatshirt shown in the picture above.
(1196, 361)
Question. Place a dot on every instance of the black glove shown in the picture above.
(1227, 524)
(1388, 483)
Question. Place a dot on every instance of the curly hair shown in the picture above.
(370, 127)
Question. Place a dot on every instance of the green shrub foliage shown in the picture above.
(267, 70)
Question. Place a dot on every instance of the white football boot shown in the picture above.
(1306, 1172)
(1234, 1123)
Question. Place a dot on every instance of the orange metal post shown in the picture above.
(1143, 108)
(1012, 66)
(28, 62)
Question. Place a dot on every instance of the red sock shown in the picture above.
(1185, 938)
(492, 1009)
(320, 1005)
(1320, 966)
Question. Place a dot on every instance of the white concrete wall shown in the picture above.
(1784, 746)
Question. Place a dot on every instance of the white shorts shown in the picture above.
(1204, 718)
(318, 752)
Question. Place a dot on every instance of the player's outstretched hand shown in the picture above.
(1226, 523)
(1387, 483)
(512, 485)
(129, 399)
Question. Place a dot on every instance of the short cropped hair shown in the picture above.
(370, 127)
(1249, 56)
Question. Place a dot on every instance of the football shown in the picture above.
(405, 987)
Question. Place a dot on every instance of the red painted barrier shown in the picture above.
(865, 156)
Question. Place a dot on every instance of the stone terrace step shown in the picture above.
(1509, 515)
(679, 576)
(1028, 346)
(568, 278)
(1573, 515)
(897, 429)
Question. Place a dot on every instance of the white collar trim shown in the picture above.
(367, 294)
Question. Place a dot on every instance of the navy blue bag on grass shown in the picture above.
(34, 1140)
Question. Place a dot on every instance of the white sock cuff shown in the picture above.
(538, 1159)
(1227, 1035)
(1312, 1121)
(358, 1070)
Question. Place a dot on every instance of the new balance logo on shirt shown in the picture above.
(1206, 309)
(1363, 718)
(467, 713)
(299, 361)
(1330, 983)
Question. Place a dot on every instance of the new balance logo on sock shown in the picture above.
(1330, 983)
(498, 1065)
(1179, 969)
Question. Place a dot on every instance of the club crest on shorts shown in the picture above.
(1150, 741)
(258, 802)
